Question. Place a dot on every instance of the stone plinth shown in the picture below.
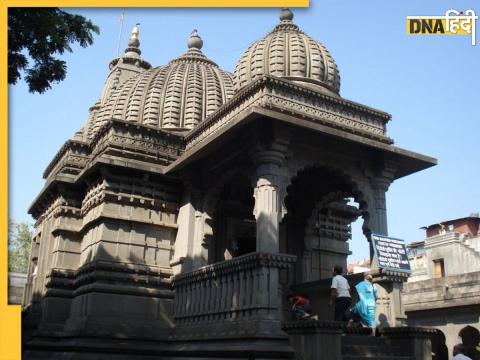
(310, 339)
(414, 341)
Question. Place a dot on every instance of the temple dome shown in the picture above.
(175, 96)
(289, 53)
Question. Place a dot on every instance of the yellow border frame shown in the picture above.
(10, 315)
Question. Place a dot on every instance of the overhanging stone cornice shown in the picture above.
(118, 143)
(141, 137)
(269, 92)
(49, 193)
(302, 107)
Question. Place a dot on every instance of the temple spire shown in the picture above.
(125, 66)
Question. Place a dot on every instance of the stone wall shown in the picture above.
(448, 304)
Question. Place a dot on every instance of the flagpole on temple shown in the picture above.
(122, 18)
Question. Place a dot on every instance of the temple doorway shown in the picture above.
(234, 225)
(321, 204)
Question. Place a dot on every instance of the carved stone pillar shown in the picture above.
(380, 186)
(390, 311)
(189, 243)
(269, 158)
(185, 233)
(267, 208)
(199, 247)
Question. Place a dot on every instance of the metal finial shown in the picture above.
(195, 41)
(133, 41)
(286, 14)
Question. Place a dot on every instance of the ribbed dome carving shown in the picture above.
(174, 96)
(289, 53)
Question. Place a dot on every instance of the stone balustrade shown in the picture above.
(243, 288)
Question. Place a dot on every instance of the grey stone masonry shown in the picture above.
(240, 296)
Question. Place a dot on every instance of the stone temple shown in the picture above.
(192, 201)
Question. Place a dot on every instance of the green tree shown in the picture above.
(42, 33)
(19, 243)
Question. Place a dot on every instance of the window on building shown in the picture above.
(438, 268)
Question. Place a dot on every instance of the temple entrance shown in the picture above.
(317, 226)
(234, 225)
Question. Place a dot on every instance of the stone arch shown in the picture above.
(213, 194)
(360, 189)
(211, 201)
(348, 186)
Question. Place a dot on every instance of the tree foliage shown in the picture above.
(19, 243)
(43, 33)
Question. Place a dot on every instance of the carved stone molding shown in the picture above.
(274, 93)
(257, 259)
(145, 194)
(407, 331)
(60, 206)
(109, 271)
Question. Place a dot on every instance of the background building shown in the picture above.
(444, 289)
(16, 287)
(359, 266)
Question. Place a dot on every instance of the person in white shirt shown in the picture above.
(458, 353)
(340, 294)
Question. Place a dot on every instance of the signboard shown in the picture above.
(391, 254)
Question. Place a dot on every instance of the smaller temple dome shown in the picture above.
(176, 96)
(289, 53)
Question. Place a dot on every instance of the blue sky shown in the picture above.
(429, 84)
